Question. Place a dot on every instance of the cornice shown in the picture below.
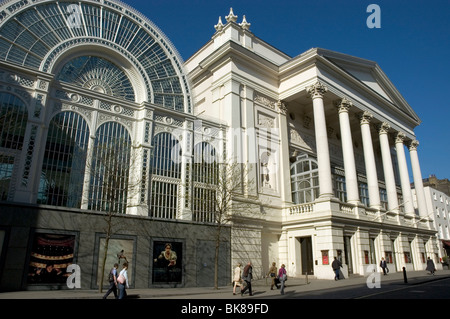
(233, 50)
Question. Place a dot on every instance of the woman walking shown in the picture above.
(122, 281)
(237, 278)
(282, 277)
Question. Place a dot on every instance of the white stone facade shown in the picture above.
(344, 114)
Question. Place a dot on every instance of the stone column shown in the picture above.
(351, 179)
(404, 174)
(317, 92)
(418, 183)
(387, 168)
(283, 157)
(369, 161)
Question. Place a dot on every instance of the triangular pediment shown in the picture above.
(370, 75)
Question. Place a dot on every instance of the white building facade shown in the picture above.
(93, 87)
(338, 132)
(438, 204)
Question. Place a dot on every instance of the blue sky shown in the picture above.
(412, 47)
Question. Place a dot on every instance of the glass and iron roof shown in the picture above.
(34, 33)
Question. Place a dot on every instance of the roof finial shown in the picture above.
(231, 17)
(219, 25)
(245, 25)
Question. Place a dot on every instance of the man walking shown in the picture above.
(112, 277)
(247, 276)
(383, 266)
(336, 265)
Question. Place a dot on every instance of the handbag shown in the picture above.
(121, 279)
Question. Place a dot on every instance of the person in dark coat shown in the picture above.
(247, 276)
(383, 266)
(336, 265)
(430, 266)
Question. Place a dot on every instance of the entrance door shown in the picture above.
(307, 255)
(348, 254)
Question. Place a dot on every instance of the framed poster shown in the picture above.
(167, 262)
(325, 260)
(51, 254)
(120, 250)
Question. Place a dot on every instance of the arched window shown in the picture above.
(165, 180)
(205, 177)
(304, 180)
(13, 124)
(110, 168)
(97, 74)
(64, 161)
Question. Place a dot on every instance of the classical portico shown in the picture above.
(347, 128)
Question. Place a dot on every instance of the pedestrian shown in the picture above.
(282, 276)
(237, 280)
(112, 278)
(122, 281)
(247, 276)
(273, 275)
(383, 266)
(430, 266)
(336, 265)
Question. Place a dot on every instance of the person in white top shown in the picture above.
(122, 281)
(237, 277)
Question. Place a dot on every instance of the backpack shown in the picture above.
(111, 276)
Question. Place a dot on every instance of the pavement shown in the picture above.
(261, 288)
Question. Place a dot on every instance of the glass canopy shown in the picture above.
(34, 32)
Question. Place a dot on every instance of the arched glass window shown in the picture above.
(97, 74)
(205, 177)
(165, 180)
(13, 124)
(110, 169)
(64, 161)
(304, 180)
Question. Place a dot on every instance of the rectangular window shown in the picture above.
(383, 198)
(389, 258)
(340, 188)
(6, 169)
(407, 257)
(364, 193)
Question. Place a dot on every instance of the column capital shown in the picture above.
(400, 137)
(281, 107)
(343, 105)
(384, 128)
(365, 117)
(413, 145)
(317, 90)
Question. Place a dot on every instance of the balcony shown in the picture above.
(334, 208)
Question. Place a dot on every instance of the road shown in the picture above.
(435, 289)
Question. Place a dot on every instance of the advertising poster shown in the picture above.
(51, 254)
(167, 262)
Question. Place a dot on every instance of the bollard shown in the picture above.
(404, 276)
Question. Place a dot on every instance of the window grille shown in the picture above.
(166, 172)
(110, 169)
(304, 180)
(205, 176)
(63, 167)
(13, 124)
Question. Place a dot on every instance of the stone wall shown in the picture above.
(142, 239)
